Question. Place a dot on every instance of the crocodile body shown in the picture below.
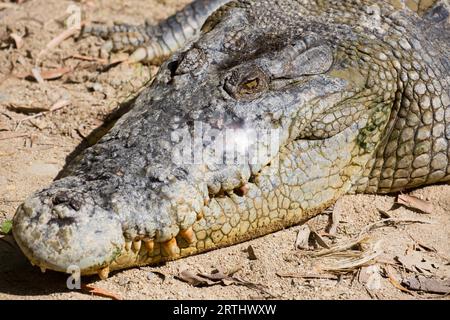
(356, 93)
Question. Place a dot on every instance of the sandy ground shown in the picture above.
(32, 151)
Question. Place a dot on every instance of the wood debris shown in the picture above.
(56, 106)
(341, 247)
(25, 109)
(392, 279)
(416, 261)
(415, 203)
(302, 240)
(95, 291)
(351, 264)
(307, 276)
(44, 74)
(60, 38)
(216, 277)
(429, 285)
(391, 222)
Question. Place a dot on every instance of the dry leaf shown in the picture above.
(44, 74)
(302, 241)
(430, 285)
(415, 203)
(415, 261)
(216, 277)
(195, 279)
(100, 292)
(55, 73)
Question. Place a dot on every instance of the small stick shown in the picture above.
(58, 105)
(87, 58)
(340, 248)
(394, 220)
(60, 38)
(14, 136)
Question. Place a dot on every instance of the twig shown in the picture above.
(57, 106)
(95, 291)
(87, 58)
(350, 264)
(395, 283)
(393, 220)
(307, 276)
(15, 136)
(60, 38)
(341, 247)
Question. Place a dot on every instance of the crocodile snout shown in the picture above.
(64, 229)
(59, 233)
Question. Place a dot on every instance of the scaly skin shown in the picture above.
(155, 44)
(358, 92)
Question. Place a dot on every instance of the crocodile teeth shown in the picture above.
(104, 273)
(137, 245)
(128, 245)
(43, 269)
(200, 216)
(171, 247)
(149, 244)
(188, 235)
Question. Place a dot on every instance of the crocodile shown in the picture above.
(333, 97)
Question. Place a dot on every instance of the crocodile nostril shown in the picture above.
(63, 198)
(60, 198)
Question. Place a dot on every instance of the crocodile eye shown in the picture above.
(246, 85)
(250, 86)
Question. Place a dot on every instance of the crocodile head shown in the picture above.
(176, 175)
